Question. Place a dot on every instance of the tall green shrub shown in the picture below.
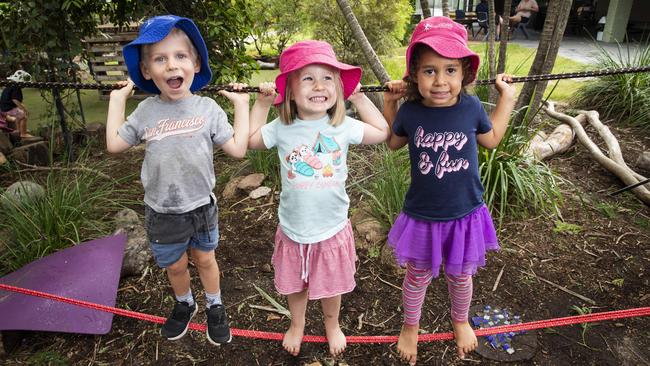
(625, 98)
(74, 209)
(383, 22)
(516, 185)
(390, 183)
(266, 162)
(281, 21)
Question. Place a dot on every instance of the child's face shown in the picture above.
(439, 79)
(170, 65)
(313, 88)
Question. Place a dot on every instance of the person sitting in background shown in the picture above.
(524, 11)
(482, 7)
(584, 8)
(11, 103)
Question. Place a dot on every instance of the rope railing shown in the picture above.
(364, 89)
(257, 334)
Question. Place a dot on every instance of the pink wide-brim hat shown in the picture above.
(310, 52)
(446, 37)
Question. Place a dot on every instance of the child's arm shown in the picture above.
(375, 128)
(260, 113)
(397, 90)
(501, 114)
(115, 118)
(238, 144)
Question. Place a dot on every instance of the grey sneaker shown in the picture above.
(218, 331)
(176, 325)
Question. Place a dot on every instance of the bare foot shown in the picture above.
(465, 338)
(293, 339)
(407, 344)
(335, 338)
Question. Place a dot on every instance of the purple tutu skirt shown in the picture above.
(457, 245)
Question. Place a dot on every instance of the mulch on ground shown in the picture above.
(607, 260)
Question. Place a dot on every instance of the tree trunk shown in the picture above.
(531, 94)
(445, 8)
(375, 64)
(492, 91)
(424, 4)
(505, 30)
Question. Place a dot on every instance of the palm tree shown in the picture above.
(376, 66)
(424, 4)
(492, 92)
(557, 15)
(505, 30)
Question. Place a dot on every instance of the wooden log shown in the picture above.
(542, 147)
(614, 149)
(621, 172)
(643, 161)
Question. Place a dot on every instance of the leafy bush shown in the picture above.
(515, 185)
(281, 21)
(73, 210)
(622, 97)
(389, 185)
(266, 162)
(383, 22)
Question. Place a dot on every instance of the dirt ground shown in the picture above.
(605, 257)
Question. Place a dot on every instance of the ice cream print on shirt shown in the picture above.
(172, 127)
(446, 142)
(319, 160)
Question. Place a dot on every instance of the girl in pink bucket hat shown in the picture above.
(444, 222)
(314, 256)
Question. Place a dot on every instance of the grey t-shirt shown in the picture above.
(178, 170)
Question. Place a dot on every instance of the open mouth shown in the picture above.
(175, 82)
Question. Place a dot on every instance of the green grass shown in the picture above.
(94, 109)
(562, 227)
(263, 75)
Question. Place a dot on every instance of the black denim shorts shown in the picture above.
(164, 228)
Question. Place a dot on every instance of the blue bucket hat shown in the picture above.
(155, 30)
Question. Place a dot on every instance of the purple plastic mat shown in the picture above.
(88, 271)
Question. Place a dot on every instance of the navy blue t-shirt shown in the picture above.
(445, 183)
(8, 94)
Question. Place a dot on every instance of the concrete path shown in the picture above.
(584, 50)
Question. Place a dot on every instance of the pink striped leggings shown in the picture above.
(415, 286)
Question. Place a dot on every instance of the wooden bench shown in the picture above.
(105, 59)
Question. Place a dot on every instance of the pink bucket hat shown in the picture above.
(310, 52)
(446, 37)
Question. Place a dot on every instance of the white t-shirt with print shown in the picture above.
(313, 158)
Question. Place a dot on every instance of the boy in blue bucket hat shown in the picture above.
(169, 58)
